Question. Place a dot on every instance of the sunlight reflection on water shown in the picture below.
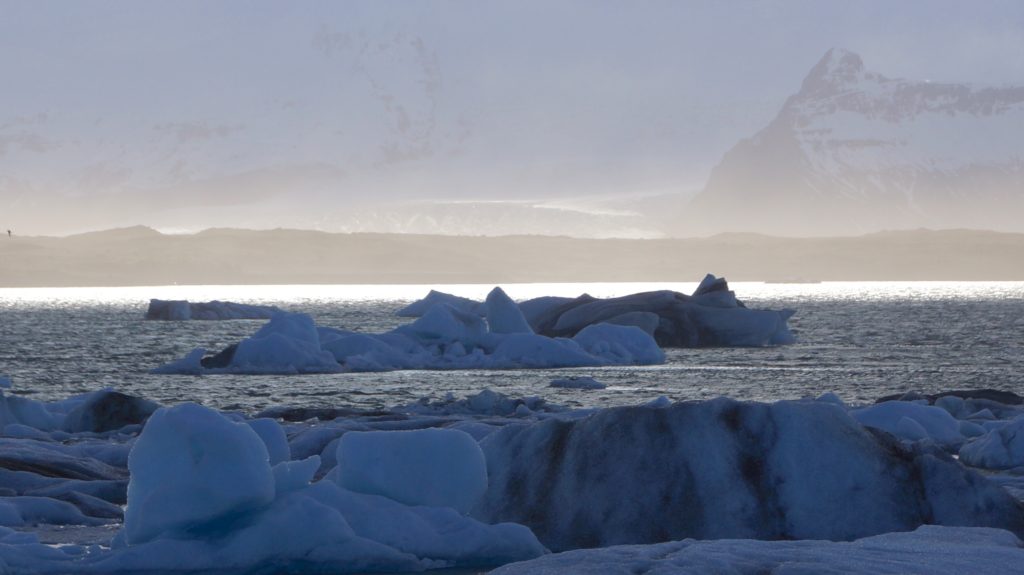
(395, 292)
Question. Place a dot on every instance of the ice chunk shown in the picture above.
(1001, 448)
(444, 323)
(619, 344)
(169, 310)
(362, 352)
(419, 308)
(191, 468)
(273, 437)
(503, 315)
(710, 284)
(537, 351)
(106, 410)
(434, 467)
(288, 343)
(541, 310)
(644, 320)
(712, 316)
(293, 475)
(25, 411)
(179, 310)
(935, 422)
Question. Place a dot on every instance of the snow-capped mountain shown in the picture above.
(855, 152)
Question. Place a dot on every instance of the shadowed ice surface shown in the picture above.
(860, 340)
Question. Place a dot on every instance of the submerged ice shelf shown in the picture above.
(489, 480)
(450, 332)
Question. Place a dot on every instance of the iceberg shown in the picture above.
(726, 469)
(181, 310)
(711, 316)
(433, 467)
(442, 338)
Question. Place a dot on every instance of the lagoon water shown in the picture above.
(860, 340)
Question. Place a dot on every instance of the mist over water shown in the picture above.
(860, 340)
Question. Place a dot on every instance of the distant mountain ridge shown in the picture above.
(142, 256)
(853, 152)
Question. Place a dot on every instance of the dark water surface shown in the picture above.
(860, 340)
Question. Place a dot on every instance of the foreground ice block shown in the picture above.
(1000, 448)
(726, 469)
(203, 497)
(191, 467)
(433, 467)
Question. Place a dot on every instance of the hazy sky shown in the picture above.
(186, 113)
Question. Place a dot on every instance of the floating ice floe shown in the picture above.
(443, 338)
(180, 310)
(711, 316)
(204, 497)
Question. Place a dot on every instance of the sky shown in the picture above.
(341, 115)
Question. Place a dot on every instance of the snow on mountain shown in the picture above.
(855, 152)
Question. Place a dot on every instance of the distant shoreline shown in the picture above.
(141, 256)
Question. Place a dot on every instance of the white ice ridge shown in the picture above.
(443, 338)
(180, 310)
(711, 316)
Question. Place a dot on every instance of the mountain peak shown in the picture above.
(836, 68)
